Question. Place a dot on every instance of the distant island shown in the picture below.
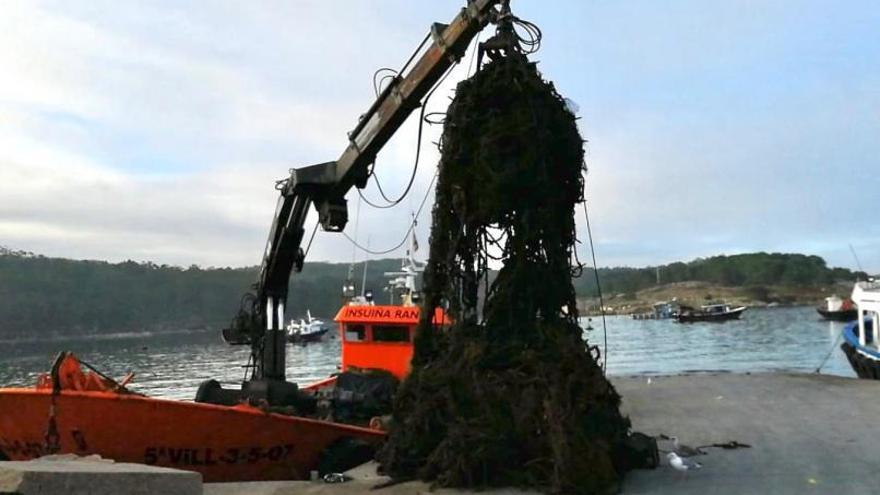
(42, 296)
(753, 279)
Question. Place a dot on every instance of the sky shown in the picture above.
(155, 131)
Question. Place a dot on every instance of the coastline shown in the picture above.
(698, 293)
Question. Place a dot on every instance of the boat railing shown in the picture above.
(869, 285)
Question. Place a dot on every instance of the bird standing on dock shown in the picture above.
(682, 465)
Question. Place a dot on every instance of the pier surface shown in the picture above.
(808, 434)
(73, 475)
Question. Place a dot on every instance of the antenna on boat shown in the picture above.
(405, 279)
(858, 263)
(364, 276)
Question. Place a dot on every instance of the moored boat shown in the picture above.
(837, 309)
(306, 330)
(667, 309)
(860, 342)
(329, 425)
(84, 412)
(381, 336)
(710, 312)
(267, 428)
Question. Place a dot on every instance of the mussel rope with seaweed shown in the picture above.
(510, 395)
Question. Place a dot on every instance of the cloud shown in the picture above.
(124, 144)
(156, 130)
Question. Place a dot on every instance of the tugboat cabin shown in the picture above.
(380, 337)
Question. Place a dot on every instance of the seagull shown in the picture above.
(682, 465)
(685, 450)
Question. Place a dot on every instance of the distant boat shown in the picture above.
(710, 312)
(662, 310)
(666, 309)
(860, 342)
(305, 331)
(838, 309)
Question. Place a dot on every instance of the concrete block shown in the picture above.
(72, 475)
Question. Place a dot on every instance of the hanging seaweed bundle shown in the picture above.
(511, 395)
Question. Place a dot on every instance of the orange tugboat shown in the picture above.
(381, 337)
(269, 428)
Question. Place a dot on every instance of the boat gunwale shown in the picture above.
(850, 336)
(237, 409)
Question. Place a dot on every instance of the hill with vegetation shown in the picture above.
(740, 270)
(752, 279)
(53, 296)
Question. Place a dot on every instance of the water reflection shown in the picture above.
(172, 366)
(775, 339)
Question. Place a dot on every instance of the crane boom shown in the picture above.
(325, 185)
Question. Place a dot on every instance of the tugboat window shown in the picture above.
(390, 333)
(355, 333)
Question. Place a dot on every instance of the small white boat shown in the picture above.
(308, 330)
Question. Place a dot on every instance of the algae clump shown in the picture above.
(511, 395)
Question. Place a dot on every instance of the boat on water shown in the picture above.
(382, 336)
(72, 411)
(335, 422)
(718, 312)
(667, 309)
(331, 425)
(306, 330)
(861, 344)
(837, 309)
(662, 310)
(266, 428)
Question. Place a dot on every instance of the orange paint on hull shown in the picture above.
(392, 357)
(240, 443)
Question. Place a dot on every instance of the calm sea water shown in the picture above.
(172, 366)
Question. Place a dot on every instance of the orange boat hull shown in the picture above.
(240, 443)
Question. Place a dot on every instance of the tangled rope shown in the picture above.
(510, 394)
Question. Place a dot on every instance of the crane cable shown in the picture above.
(412, 178)
(412, 225)
(377, 87)
(598, 290)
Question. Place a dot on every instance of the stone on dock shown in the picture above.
(73, 475)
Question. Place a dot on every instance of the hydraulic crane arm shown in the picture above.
(326, 184)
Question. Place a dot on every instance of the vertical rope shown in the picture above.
(599, 290)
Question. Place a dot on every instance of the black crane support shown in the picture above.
(326, 184)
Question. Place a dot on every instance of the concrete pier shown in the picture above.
(808, 434)
(72, 475)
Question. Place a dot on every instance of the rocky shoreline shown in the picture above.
(698, 293)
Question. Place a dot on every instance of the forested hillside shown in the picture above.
(740, 270)
(53, 296)
(40, 296)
